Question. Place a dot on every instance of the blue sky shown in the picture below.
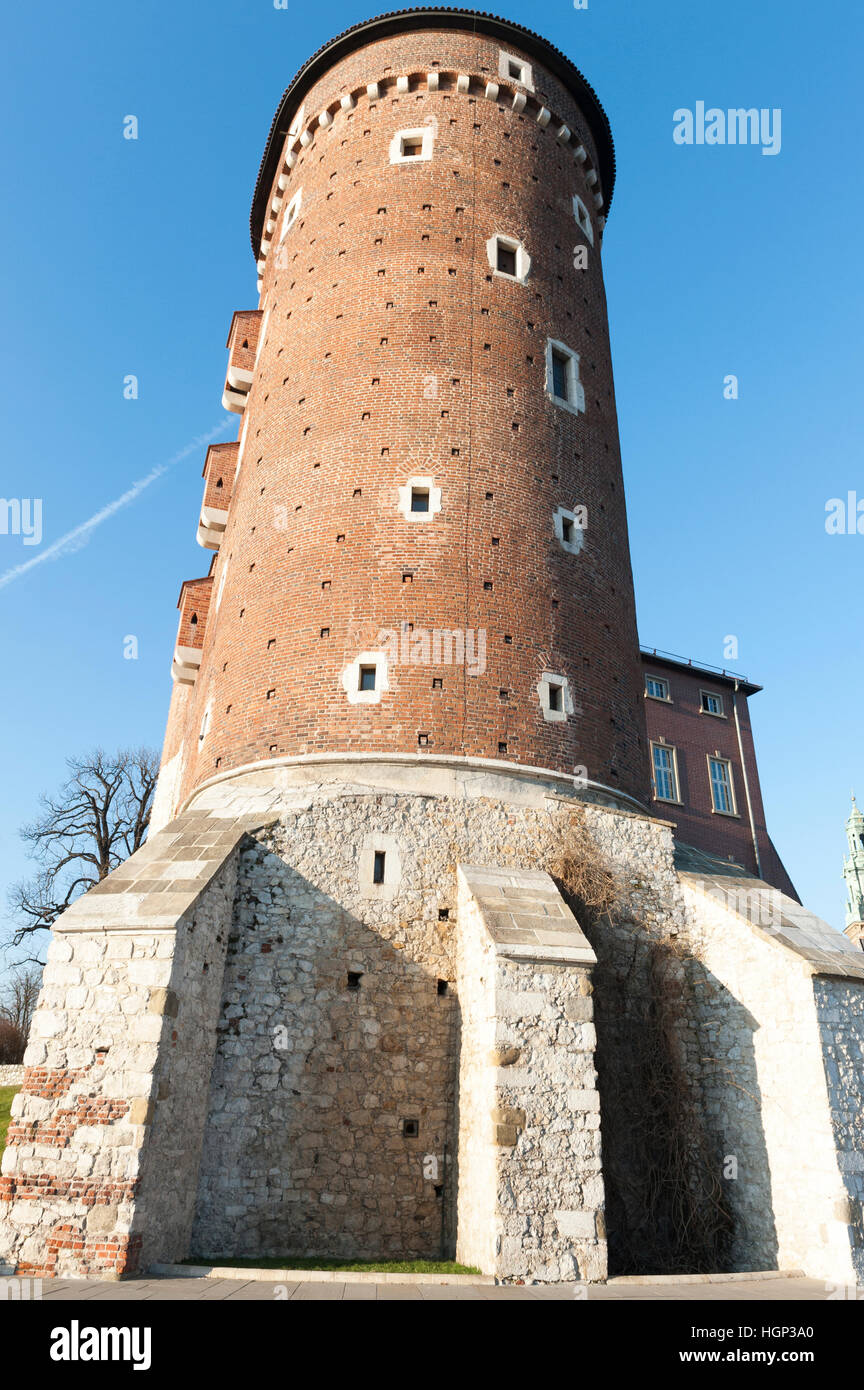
(130, 256)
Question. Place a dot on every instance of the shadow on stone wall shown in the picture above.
(684, 1158)
(336, 1037)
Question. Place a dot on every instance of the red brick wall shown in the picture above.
(696, 737)
(243, 337)
(390, 351)
(219, 470)
(194, 605)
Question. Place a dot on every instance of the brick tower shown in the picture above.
(426, 494)
(337, 1005)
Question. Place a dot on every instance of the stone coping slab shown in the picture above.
(525, 915)
(163, 880)
(313, 1276)
(770, 914)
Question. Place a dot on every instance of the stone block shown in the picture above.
(576, 1225)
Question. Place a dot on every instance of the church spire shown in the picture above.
(853, 867)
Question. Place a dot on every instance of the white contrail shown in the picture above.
(75, 539)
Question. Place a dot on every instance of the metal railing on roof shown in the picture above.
(696, 665)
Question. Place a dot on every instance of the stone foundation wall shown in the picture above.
(246, 1044)
(305, 1151)
(316, 1075)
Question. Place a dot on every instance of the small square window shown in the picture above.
(567, 529)
(506, 259)
(512, 68)
(411, 146)
(354, 978)
(556, 696)
(367, 677)
(411, 1128)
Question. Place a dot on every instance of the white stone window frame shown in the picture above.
(667, 748)
(583, 219)
(526, 72)
(220, 587)
(559, 517)
(661, 680)
(420, 484)
(511, 243)
(550, 715)
(575, 402)
(425, 134)
(717, 757)
(297, 124)
(262, 332)
(711, 695)
(389, 846)
(204, 727)
(351, 679)
(291, 213)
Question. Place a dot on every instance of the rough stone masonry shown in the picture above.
(263, 1056)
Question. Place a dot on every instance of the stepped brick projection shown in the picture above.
(351, 998)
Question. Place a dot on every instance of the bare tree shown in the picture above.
(19, 996)
(97, 819)
(17, 1005)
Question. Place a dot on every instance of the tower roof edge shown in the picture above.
(434, 17)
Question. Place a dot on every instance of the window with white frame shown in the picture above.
(412, 146)
(569, 528)
(220, 588)
(657, 688)
(562, 377)
(420, 499)
(664, 766)
(711, 703)
(205, 724)
(583, 217)
(515, 69)
(508, 257)
(291, 213)
(722, 789)
(365, 678)
(556, 702)
(297, 123)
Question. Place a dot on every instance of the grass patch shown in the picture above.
(348, 1266)
(6, 1094)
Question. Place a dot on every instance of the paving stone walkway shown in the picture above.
(234, 1290)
